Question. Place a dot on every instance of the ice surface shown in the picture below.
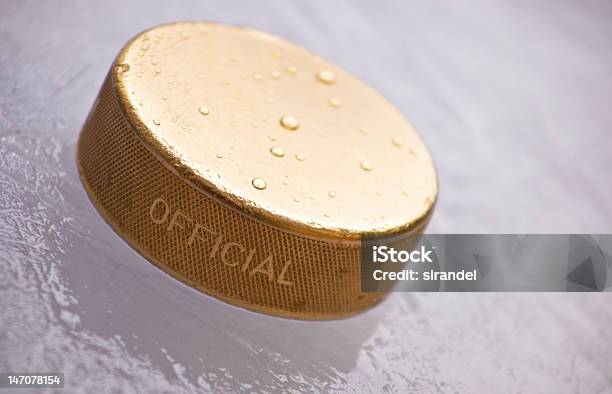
(75, 298)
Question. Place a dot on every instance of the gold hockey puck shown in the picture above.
(250, 168)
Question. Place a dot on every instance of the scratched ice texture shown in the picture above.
(513, 101)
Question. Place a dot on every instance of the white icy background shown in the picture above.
(514, 102)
